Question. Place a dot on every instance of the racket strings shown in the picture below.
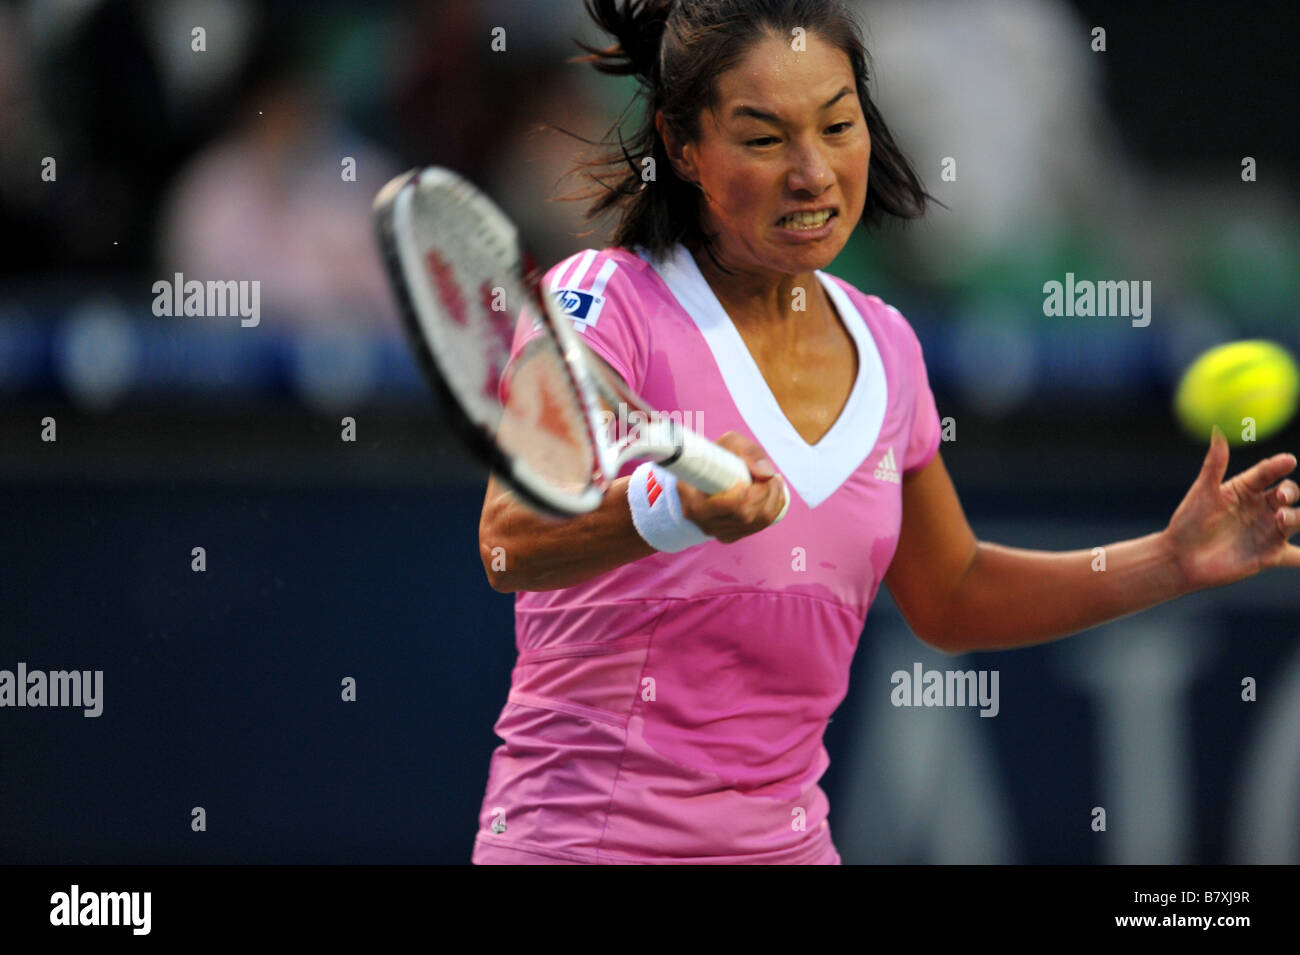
(527, 407)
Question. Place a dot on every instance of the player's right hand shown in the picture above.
(742, 509)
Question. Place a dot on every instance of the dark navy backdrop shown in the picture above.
(222, 689)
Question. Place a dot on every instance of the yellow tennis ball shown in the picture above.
(1248, 388)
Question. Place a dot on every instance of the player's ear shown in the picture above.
(680, 154)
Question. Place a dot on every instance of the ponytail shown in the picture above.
(638, 26)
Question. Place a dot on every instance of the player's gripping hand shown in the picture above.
(742, 509)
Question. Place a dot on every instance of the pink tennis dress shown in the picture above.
(672, 710)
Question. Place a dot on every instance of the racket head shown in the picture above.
(454, 263)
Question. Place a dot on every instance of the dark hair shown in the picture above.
(678, 49)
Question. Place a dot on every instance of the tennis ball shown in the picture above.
(1253, 379)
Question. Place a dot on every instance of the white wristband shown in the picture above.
(657, 510)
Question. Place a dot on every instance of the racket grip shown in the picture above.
(711, 468)
(706, 466)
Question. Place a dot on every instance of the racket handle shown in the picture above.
(706, 466)
(711, 468)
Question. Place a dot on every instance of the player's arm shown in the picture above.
(524, 550)
(960, 594)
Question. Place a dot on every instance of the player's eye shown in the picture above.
(761, 141)
(839, 128)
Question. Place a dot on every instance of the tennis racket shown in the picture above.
(543, 423)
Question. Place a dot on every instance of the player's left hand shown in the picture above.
(1225, 531)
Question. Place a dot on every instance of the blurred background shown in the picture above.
(236, 140)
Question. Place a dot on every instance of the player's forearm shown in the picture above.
(522, 550)
(1012, 597)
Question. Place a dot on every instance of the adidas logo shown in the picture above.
(653, 488)
(887, 470)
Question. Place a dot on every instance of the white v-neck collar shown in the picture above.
(814, 471)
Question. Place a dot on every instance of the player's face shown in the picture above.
(787, 135)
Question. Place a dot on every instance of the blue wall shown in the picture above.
(222, 690)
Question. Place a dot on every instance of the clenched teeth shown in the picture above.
(806, 220)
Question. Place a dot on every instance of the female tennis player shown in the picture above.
(680, 654)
